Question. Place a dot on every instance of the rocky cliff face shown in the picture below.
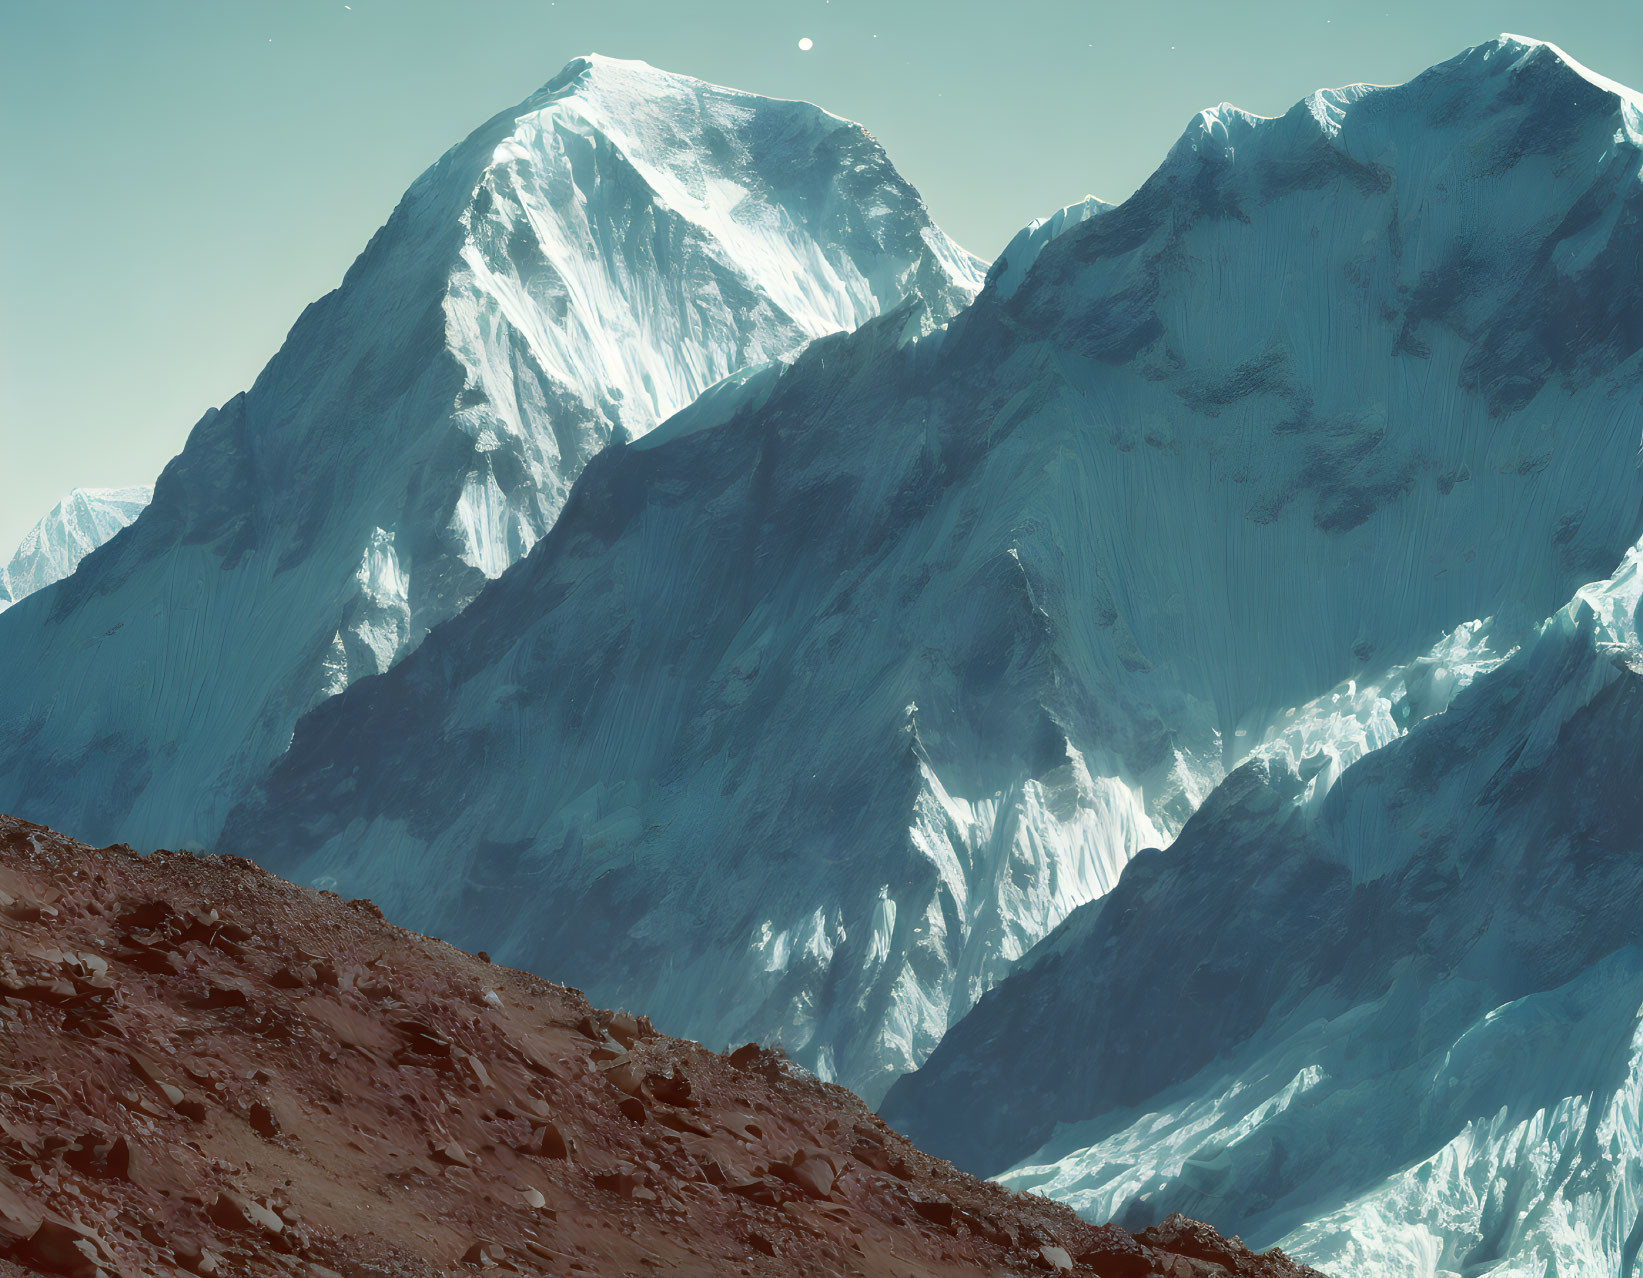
(208, 1070)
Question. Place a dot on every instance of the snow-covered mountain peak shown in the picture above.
(70, 531)
(594, 74)
(567, 76)
(1528, 48)
(578, 269)
(1011, 266)
(621, 183)
(728, 162)
(1522, 95)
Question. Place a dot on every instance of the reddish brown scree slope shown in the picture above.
(208, 1070)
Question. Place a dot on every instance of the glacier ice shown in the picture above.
(577, 270)
(1396, 1031)
(836, 694)
(70, 531)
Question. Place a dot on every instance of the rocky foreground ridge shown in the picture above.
(209, 1070)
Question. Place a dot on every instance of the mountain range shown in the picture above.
(843, 688)
(1171, 708)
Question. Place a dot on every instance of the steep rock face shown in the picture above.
(70, 531)
(581, 267)
(1394, 1024)
(847, 684)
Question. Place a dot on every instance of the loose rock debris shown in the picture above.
(210, 1071)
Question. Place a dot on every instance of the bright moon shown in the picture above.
(806, 44)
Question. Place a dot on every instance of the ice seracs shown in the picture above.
(581, 267)
(70, 531)
(848, 685)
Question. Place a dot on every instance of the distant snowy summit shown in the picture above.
(580, 268)
(71, 530)
(1012, 265)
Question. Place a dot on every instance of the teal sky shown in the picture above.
(183, 176)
